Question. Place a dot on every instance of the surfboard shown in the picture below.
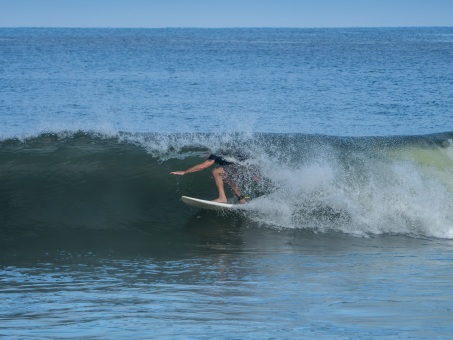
(203, 204)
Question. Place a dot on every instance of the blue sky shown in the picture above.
(225, 13)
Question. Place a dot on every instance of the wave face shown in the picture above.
(357, 186)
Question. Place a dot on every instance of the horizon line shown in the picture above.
(223, 27)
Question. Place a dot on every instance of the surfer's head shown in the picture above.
(238, 154)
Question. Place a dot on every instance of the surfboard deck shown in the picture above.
(203, 204)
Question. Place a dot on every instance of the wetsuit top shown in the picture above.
(219, 160)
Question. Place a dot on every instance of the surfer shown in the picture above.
(226, 172)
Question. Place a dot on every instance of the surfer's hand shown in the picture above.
(178, 173)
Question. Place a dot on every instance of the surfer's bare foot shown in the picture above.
(220, 200)
(242, 201)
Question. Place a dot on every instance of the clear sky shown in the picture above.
(225, 13)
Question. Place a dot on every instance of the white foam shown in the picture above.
(376, 197)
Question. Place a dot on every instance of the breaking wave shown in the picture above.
(358, 186)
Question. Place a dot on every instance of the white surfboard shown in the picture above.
(203, 204)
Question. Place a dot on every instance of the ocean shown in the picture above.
(349, 230)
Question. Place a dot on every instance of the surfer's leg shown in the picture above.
(218, 174)
(236, 191)
(233, 173)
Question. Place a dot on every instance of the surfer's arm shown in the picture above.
(206, 164)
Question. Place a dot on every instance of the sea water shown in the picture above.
(349, 230)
